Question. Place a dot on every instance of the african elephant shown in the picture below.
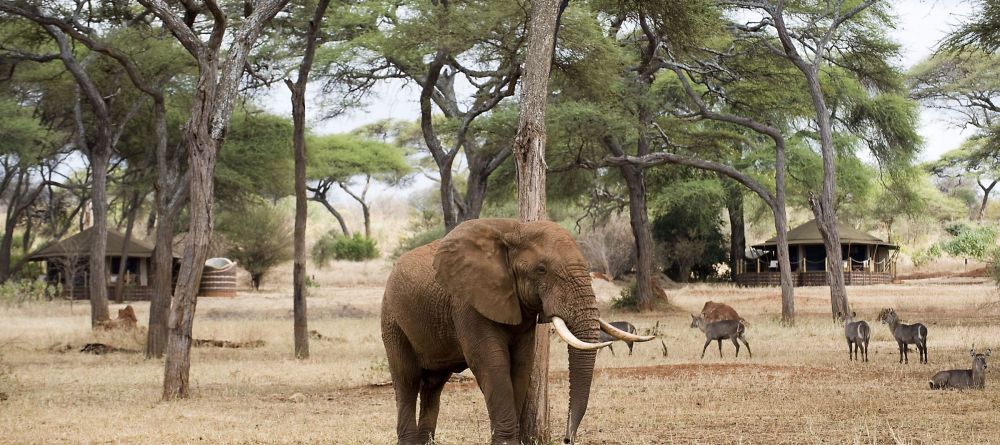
(472, 300)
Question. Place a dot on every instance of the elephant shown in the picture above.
(471, 300)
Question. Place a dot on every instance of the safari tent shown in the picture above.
(70, 258)
(865, 258)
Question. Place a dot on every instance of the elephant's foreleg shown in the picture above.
(405, 382)
(431, 385)
(490, 362)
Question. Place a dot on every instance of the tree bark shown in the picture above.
(644, 246)
(529, 160)
(211, 110)
(737, 229)
(298, 89)
(987, 189)
(98, 283)
(781, 228)
(133, 209)
(824, 208)
(170, 191)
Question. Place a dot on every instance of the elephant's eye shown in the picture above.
(540, 269)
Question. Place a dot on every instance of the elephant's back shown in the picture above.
(416, 307)
(411, 281)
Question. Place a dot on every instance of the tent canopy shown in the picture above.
(808, 233)
(79, 245)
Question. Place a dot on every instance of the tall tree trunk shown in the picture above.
(824, 207)
(639, 220)
(737, 228)
(211, 110)
(98, 283)
(202, 151)
(529, 160)
(169, 201)
(475, 195)
(298, 89)
(448, 211)
(301, 324)
(133, 209)
(781, 228)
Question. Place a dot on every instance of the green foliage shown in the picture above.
(687, 226)
(967, 241)
(338, 157)
(418, 239)
(256, 161)
(981, 30)
(22, 292)
(628, 299)
(993, 265)
(258, 238)
(335, 246)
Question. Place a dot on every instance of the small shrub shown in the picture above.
(418, 239)
(628, 299)
(993, 266)
(334, 246)
(21, 292)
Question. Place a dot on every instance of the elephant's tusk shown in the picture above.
(622, 335)
(571, 339)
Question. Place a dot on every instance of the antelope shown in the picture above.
(624, 326)
(721, 330)
(974, 378)
(858, 334)
(905, 334)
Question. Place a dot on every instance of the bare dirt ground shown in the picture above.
(798, 388)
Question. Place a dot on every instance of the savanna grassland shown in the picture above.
(799, 386)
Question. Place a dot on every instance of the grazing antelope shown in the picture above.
(974, 378)
(721, 330)
(713, 311)
(858, 334)
(624, 326)
(905, 334)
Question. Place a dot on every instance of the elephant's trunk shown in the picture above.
(581, 369)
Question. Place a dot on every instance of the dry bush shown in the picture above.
(609, 248)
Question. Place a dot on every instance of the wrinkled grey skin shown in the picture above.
(623, 325)
(974, 378)
(471, 300)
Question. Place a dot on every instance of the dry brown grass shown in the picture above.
(797, 388)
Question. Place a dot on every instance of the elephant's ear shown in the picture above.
(471, 263)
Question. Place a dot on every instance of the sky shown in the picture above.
(921, 25)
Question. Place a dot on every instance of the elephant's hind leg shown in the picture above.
(431, 384)
(405, 381)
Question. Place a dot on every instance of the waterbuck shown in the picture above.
(721, 330)
(624, 326)
(905, 334)
(858, 334)
(974, 378)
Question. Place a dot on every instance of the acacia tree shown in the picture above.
(811, 36)
(25, 143)
(444, 48)
(150, 63)
(966, 87)
(341, 160)
(298, 89)
(95, 133)
(212, 106)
